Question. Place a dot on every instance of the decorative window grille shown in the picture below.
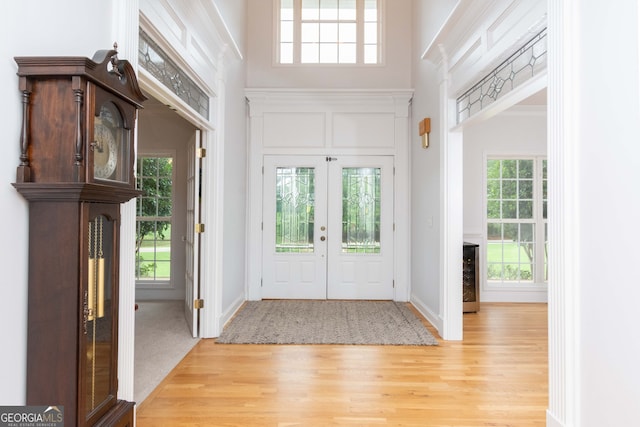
(529, 61)
(153, 59)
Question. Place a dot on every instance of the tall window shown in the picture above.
(329, 32)
(516, 201)
(153, 222)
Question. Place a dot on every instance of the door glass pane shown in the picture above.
(295, 196)
(361, 210)
(99, 319)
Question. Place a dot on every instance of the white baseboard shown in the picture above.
(495, 295)
(146, 294)
(553, 421)
(230, 312)
(428, 314)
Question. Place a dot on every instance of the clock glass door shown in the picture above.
(99, 324)
(110, 145)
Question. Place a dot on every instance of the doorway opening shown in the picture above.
(505, 201)
(165, 328)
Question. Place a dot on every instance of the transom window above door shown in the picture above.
(329, 32)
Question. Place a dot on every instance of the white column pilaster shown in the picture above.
(125, 33)
(564, 251)
(451, 232)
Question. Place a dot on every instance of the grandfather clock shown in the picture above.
(76, 168)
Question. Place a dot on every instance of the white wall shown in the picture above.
(27, 28)
(235, 189)
(428, 16)
(395, 73)
(234, 15)
(607, 79)
(522, 130)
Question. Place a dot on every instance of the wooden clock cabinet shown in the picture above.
(76, 169)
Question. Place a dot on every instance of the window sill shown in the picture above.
(154, 284)
(514, 286)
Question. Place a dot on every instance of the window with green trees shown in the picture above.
(153, 218)
(516, 200)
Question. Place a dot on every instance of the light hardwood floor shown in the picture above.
(497, 376)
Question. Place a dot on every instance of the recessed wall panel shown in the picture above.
(363, 130)
(294, 130)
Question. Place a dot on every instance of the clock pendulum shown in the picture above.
(95, 297)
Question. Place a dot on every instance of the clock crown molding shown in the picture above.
(62, 100)
(105, 69)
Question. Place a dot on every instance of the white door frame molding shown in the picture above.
(212, 196)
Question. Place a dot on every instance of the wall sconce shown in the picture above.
(425, 128)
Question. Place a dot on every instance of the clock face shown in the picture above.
(105, 154)
(110, 145)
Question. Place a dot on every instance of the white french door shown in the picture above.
(192, 243)
(328, 227)
(361, 244)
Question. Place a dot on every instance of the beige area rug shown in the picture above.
(162, 339)
(326, 322)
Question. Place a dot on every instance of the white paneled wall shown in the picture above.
(311, 122)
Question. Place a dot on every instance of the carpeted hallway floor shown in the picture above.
(162, 339)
